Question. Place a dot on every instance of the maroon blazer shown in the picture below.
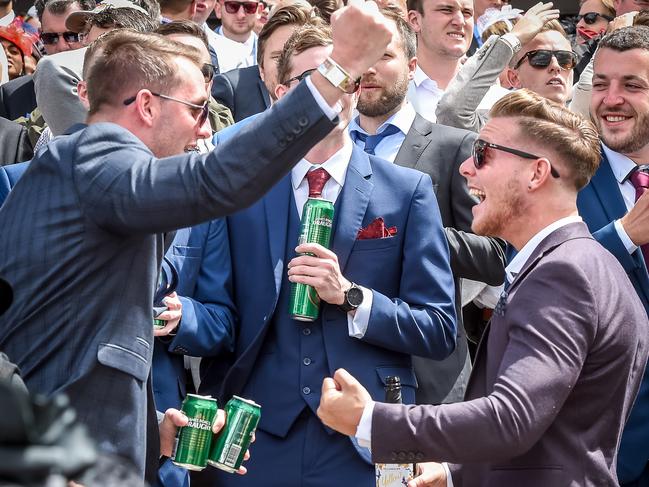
(554, 379)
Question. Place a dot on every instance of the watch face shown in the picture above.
(355, 296)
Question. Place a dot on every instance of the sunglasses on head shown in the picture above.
(208, 70)
(199, 116)
(591, 17)
(53, 37)
(541, 58)
(233, 7)
(299, 77)
(479, 153)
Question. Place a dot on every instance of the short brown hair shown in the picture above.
(297, 13)
(405, 30)
(570, 136)
(304, 38)
(130, 61)
(186, 27)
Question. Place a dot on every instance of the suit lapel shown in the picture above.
(264, 92)
(415, 143)
(606, 187)
(354, 198)
(276, 207)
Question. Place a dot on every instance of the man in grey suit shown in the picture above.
(559, 368)
(83, 229)
(388, 127)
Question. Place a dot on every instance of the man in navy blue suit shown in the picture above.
(406, 284)
(612, 204)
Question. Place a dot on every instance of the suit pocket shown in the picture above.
(537, 476)
(192, 252)
(375, 244)
(124, 360)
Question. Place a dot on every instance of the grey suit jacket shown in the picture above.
(553, 382)
(458, 106)
(55, 81)
(438, 151)
(14, 143)
(82, 245)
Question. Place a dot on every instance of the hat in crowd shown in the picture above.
(76, 21)
(6, 295)
(15, 34)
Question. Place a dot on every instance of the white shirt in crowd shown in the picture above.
(424, 94)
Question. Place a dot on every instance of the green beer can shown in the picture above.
(316, 226)
(230, 445)
(194, 440)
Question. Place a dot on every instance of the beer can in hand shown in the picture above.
(230, 445)
(316, 226)
(193, 441)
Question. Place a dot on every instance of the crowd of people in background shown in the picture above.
(488, 166)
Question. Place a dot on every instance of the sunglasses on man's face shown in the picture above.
(541, 58)
(199, 112)
(53, 37)
(479, 153)
(591, 17)
(233, 7)
(208, 71)
(299, 77)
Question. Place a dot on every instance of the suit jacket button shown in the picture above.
(297, 131)
(282, 143)
(419, 456)
(306, 331)
(402, 456)
(394, 456)
(411, 457)
(303, 121)
(306, 390)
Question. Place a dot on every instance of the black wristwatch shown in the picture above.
(353, 298)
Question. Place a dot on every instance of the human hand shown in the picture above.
(360, 36)
(430, 474)
(636, 221)
(530, 24)
(175, 419)
(342, 402)
(320, 270)
(172, 316)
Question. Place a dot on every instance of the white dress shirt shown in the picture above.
(389, 147)
(621, 166)
(231, 54)
(249, 48)
(7, 19)
(336, 166)
(364, 428)
(424, 94)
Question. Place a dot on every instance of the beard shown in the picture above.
(504, 211)
(636, 140)
(389, 99)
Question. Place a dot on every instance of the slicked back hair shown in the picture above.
(130, 61)
(571, 137)
(186, 27)
(306, 37)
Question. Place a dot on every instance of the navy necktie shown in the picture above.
(371, 141)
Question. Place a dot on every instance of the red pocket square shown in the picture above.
(376, 229)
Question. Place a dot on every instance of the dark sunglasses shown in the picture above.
(541, 58)
(53, 37)
(591, 17)
(200, 119)
(299, 77)
(208, 70)
(233, 7)
(480, 149)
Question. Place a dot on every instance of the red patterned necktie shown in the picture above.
(317, 179)
(640, 180)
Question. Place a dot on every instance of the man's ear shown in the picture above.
(280, 90)
(414, 19)
(82, 93)
(512, 78)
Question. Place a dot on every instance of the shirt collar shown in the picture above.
(620, 164)
(523, 256)
(336, 165)
(402, 120)
(422, 78)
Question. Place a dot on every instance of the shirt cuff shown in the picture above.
(357, 324)
(364, 428)
(628, 243)
(330, 112)
(512, 41)
(449, 477)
